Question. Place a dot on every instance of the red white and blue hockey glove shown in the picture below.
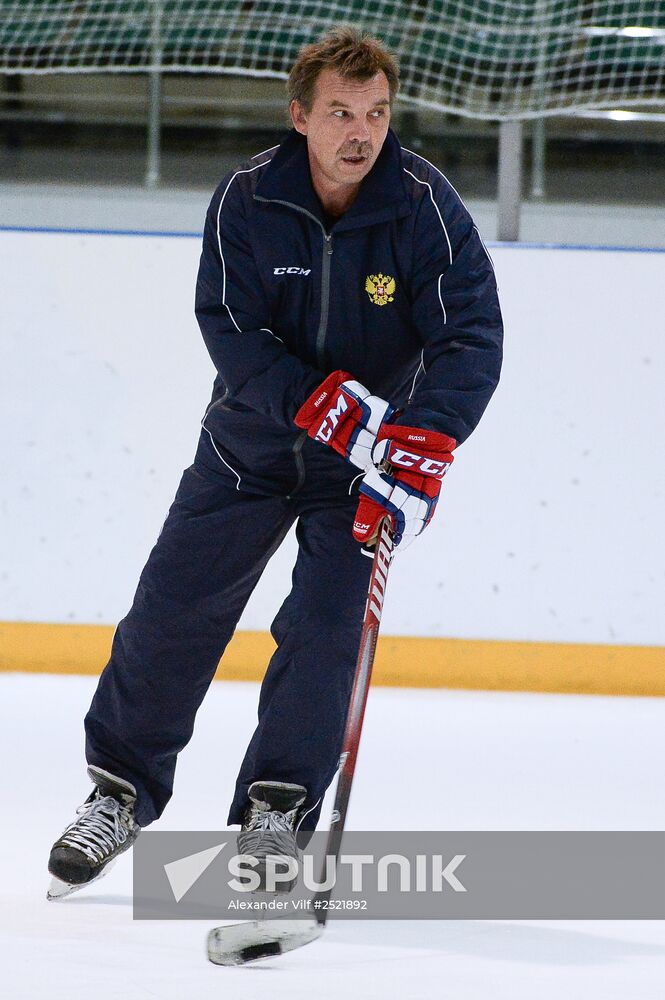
(404, 482)
(343, 414)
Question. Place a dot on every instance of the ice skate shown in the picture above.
(269, 827)
(104, 829)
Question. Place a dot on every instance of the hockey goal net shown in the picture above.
(492, 59)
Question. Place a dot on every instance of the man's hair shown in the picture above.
(350, 53)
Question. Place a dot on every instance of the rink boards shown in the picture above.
(543, 569)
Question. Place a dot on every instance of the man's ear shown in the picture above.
(298, 117)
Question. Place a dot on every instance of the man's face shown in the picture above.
(345, 128)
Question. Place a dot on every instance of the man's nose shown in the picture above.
(358, 131)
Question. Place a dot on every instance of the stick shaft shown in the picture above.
(383, 554)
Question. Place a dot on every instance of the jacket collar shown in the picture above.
(382, 194)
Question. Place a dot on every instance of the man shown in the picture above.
(350, 309)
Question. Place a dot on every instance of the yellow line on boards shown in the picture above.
(402, 661)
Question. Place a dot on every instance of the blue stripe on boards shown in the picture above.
(197, 235)
(573, 246)
(100, 232)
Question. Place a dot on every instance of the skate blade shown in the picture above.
(238, 944)
(59, 889)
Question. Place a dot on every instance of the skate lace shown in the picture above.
(103, 825)
(271, 819)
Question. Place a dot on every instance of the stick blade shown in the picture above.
(238, 944)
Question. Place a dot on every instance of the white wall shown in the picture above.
(551, 522)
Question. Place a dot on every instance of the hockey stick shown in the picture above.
(237, 944)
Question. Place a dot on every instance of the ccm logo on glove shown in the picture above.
(419, 463)
(331, 420)
(344, 415)
(403, 483)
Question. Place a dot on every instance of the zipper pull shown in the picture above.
(329, 242)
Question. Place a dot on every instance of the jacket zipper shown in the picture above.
(323, 322)
(300, 463)
(325, 299)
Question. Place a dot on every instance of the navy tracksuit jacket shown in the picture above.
(400, 292)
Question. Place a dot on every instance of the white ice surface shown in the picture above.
(428, 760)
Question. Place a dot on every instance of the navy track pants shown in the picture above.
(212, 549)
